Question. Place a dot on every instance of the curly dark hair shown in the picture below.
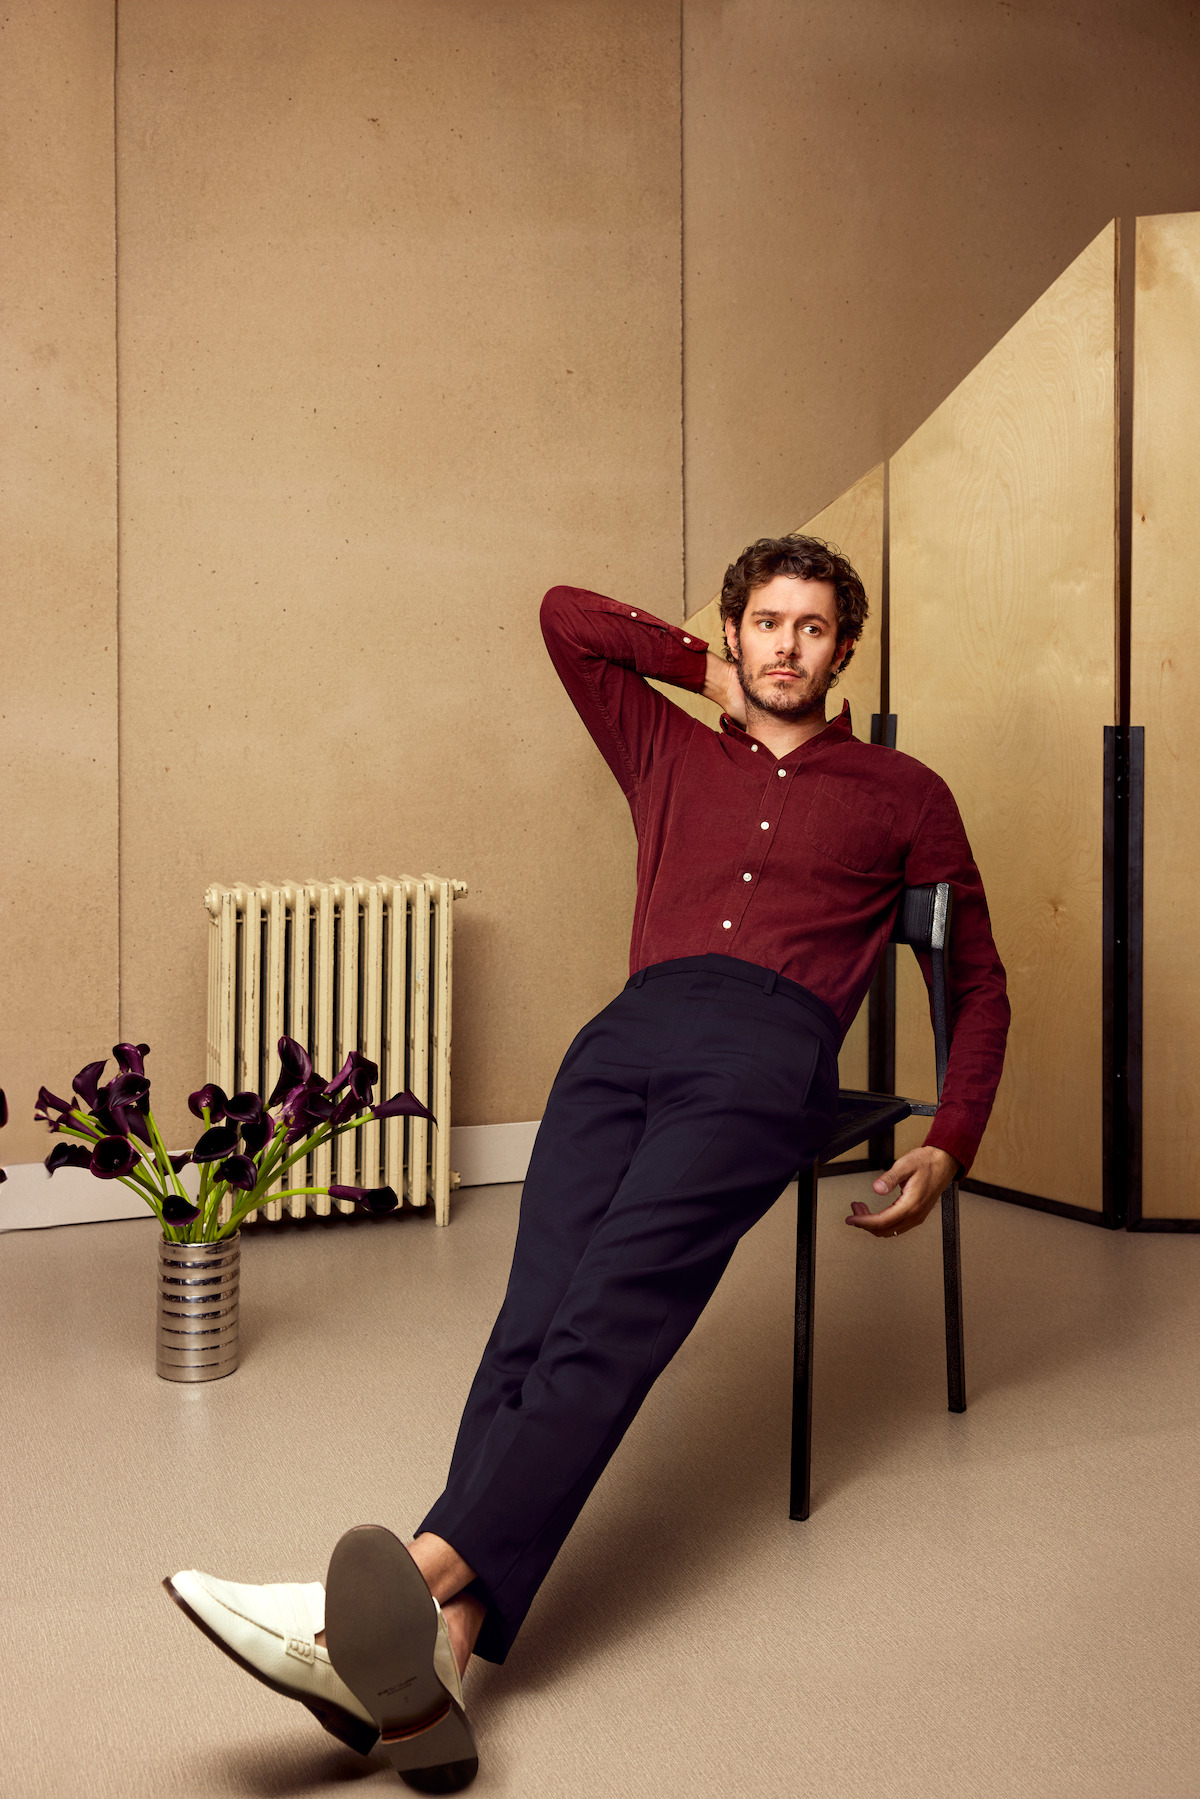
(809, 558)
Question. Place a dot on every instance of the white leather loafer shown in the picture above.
(270, 1631)
(388, 1640)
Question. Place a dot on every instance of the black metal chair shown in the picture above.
(924, 922)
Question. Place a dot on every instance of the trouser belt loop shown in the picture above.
(769, 983)
(639, 977)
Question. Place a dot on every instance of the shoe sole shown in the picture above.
(329, 1715)
(380, 1629)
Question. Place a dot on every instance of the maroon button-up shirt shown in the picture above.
(795, 864)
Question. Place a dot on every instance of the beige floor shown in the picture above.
(1001, 1604)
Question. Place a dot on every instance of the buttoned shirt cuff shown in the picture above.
(691, 665)
(680, 659)
(662, 651)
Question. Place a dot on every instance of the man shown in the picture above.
(771, 855)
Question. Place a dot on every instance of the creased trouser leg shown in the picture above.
(678, 1117)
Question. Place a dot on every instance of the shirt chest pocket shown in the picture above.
(849, 825)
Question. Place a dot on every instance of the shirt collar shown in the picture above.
(836, 731)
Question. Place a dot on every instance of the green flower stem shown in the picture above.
(243, 1211)
(323, 1135)
(151, 1198)
(165, 1165)
(209, 1200)
(269, 1170)
(270, 1154)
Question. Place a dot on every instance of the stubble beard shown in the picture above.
(797, 703)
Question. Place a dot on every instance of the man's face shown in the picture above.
(788, 650)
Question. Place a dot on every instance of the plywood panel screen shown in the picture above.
(1002, 677)
(854, 523)
(1165, 699)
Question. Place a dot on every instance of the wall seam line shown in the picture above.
(682, 353)
(117, 494)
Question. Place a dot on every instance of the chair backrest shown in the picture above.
(924, 917)
(924, 922)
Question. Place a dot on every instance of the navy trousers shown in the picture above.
(678, 1117)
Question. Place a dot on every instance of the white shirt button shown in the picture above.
(781, 772)
(687, 640)
(633, 615)
(747, 877)
(754, 747)
(765, 825)
(727, 926)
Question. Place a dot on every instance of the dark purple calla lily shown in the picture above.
(244, 1107)
(128, 1090)
(219, 1140)
(313, 1110)
(295, 1068)
(3, 1107)
(47, 1103)
(113, 1157)
(238, 1171)
(87, 1082)
(68, 1155)
(297, 1098)
(112, 1124)
(360, 1073)
(311, 1106)
(179, 1211)
(129, 1057)
(179, 1158)
(406, 1103)
(258, 1133)
(376, 1200)
(211, 1099)
(133, 1123)
(127, 1101)
(348, 1107)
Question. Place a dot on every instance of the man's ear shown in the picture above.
(731, 636)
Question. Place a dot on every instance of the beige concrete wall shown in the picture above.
(874, 192)
(400, 342)
(58, 661)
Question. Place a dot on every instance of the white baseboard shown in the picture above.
(31, 1199)
(482, 1155)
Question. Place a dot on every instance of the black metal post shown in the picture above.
(802, 1362)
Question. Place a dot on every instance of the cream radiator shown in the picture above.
(342, 965)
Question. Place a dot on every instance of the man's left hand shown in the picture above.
(922, 1177)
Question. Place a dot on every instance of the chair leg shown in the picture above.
(802, 1365)
(956, 1374)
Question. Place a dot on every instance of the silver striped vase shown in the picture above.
(198, 1309)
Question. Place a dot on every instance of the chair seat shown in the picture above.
(863, 1115)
